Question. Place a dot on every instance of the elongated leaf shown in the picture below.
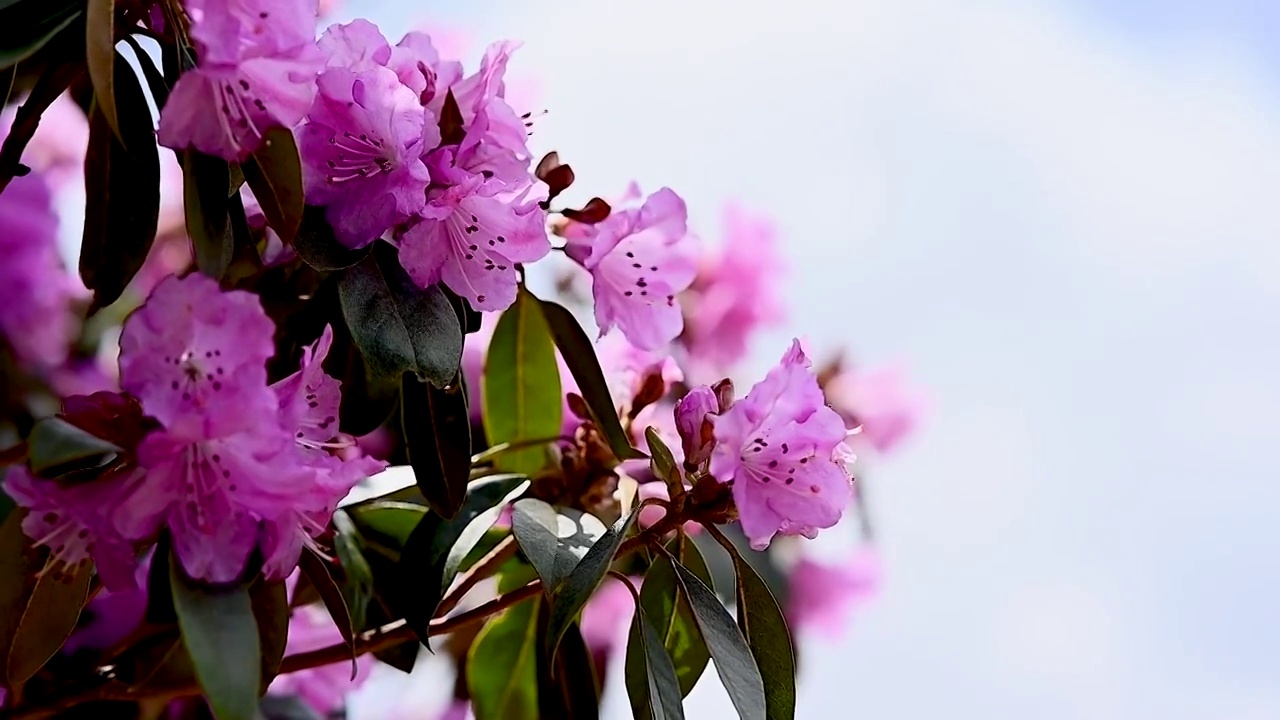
(282, 707)
(667, 606)
(99, 53)
(579, 354)
(652, 685)
(553, 539)
(156, 83)
(390, 522)
(221, 634)
(567, 684)
(661, 461)
(122, 191)
(437, 433)
(733, 660)
(571, 595)
(317, 246)
(357, 576)
(317, 572)
(437, 547)
(521, 387)
(398, 326)
(205, 180)
(275, 175)
(56, 447)
(761, 621)
(46, 614)
(270, 603)
(26, 25)
(502, 666)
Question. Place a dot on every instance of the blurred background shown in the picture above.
(1061, 216)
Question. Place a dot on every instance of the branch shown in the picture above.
(483, 568)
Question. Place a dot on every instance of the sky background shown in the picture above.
(1063, 218)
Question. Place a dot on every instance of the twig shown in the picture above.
(483, 568)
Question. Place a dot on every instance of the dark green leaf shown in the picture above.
(357, 576)
(220, 633)
(522, 385)
(99, 54)
(270, 603)
(571, 595)
(205, 180)
(733, 660)
(318, 573)
(286, 707)
(437, 435)
(390, 522)
(48, 86)
(761, 621)
(661, 461)
(502, 666)
(317, 246)
(155, 81)
(567, 684)
(275, 175)
(553, 539)
(668, 609)
(26, 25)
(580, 355)
(650, 674)
(398, 326)
(437, 547)
(56, 447)
(49, 616)
(122, 192)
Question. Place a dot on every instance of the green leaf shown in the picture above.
(733, 660)
(99, 53)
(318, 573)
(668, 608)
(570, 596)
(650, 674)
(436, 548)
(502, 666)
(553, 539)
(221, 634)
(316, 245)
(155, 81)
(55, 447)
(270, 602)
(282, 707)
(580, 355)
(389, 521)
(398, 326)
(437, 435)
(205, 180)
(38, 607)
(521, 388)
(357, 576)
(122, 191)
(661, 461)
(761, 621)
(275, 176)
(26, 25)
(568, 688)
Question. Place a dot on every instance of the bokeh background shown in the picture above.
(1063, 217)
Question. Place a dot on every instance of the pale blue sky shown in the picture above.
(1063, 217)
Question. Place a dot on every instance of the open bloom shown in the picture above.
(35, 318)
(362, 148)
(639, 261)
(735, 292)
(258, 62)
(879, 402)
(783, 451)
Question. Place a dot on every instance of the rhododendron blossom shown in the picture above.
(257, 65)
(639, 260)
(783, 450)
(823, 593)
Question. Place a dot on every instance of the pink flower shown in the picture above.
(471, 235)
(362, 147)
(822, 595)
(258, 62)
(35, 317)
(323, 689)
(639, 261)
(735, 292)
(631, 371)
(359, 45)
(693, 414)
(783, 451)
(607, 615)
(111, 616)
(879, 402)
